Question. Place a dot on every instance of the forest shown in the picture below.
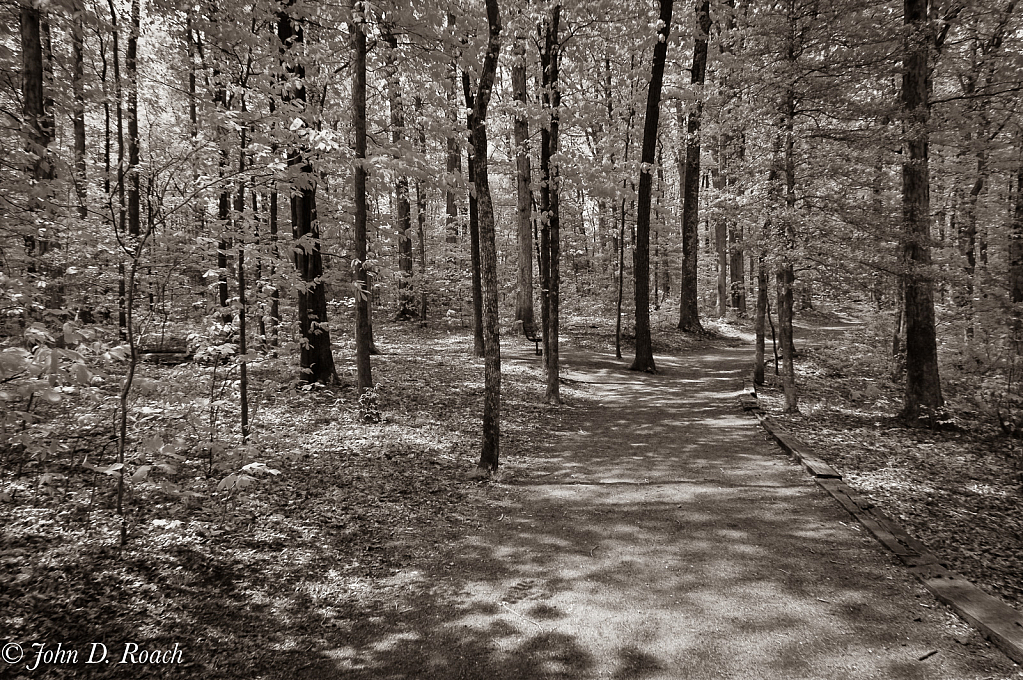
(260, 252)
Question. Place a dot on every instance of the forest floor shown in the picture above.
(959, 490)
(372, 553)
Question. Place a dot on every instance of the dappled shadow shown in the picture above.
(662, 538)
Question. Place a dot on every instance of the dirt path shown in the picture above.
(664, 537)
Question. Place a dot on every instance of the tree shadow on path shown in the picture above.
(662, 537)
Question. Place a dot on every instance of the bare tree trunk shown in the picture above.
(760, 321)
(363, 330)
(241, 229)
(406, 297)
(785, 274)
(474, 225)
(524, 204)
(621, 272)
(644, 360)
(721, 247)
(421, 211)
(131, 71)
(737, 268)
(36, 127)
(119, 226)
(550, 203)
(923, 398)
(689, 310)
(1016, 254)
(490, 450)
(317, 359)
(78, 111)
(454, 156)
(275, 291)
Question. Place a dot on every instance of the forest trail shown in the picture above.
(662, 537)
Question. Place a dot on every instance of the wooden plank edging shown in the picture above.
(996, 621)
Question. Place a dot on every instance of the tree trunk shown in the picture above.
(621, 274)
(760, 321)
(1016, 256)
(406, 296)
(737, 268)
(490, 450)
(689, 311)
(721, 248)
(363, 329)
(240, 230)
(36, 129)
(131, 71)
(550, 203)
(224, 243)
(122, 317)
(78, 111)
(786, 275)
(421, 211)
(474, 224)
(454, 155)
(317, 360)
(644, 360)
(923, 398)
(524, 204)
(970, 232)
(784, 279)
(275, 290)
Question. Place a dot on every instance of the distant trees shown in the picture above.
(840, 148)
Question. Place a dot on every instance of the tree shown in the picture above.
(78, 113)
(317, 360)
(454, 153)
(490, 451)
(923, 397)
(524, 193)
(406, 298)
(550, 202)
(644, 360)
(689, 312)
(363, 336)
(479, 343)
(37, 132)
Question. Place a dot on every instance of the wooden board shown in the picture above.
(997, 621)
(815, 466)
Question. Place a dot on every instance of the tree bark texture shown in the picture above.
(474, 223)
(644, 360)
(1016, 239)
(550, 203)
(134, 157)
(363, 329)
(406, 296)
(317, 360)
(490, 451)
(36, 127)
(923, 386)
(524, 199)
(37, 133)
(421, 210)
(454, 155)
(689, 310)
(760, 321)
(78, 109)
(787, 236)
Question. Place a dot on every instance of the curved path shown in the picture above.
(662, 537)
